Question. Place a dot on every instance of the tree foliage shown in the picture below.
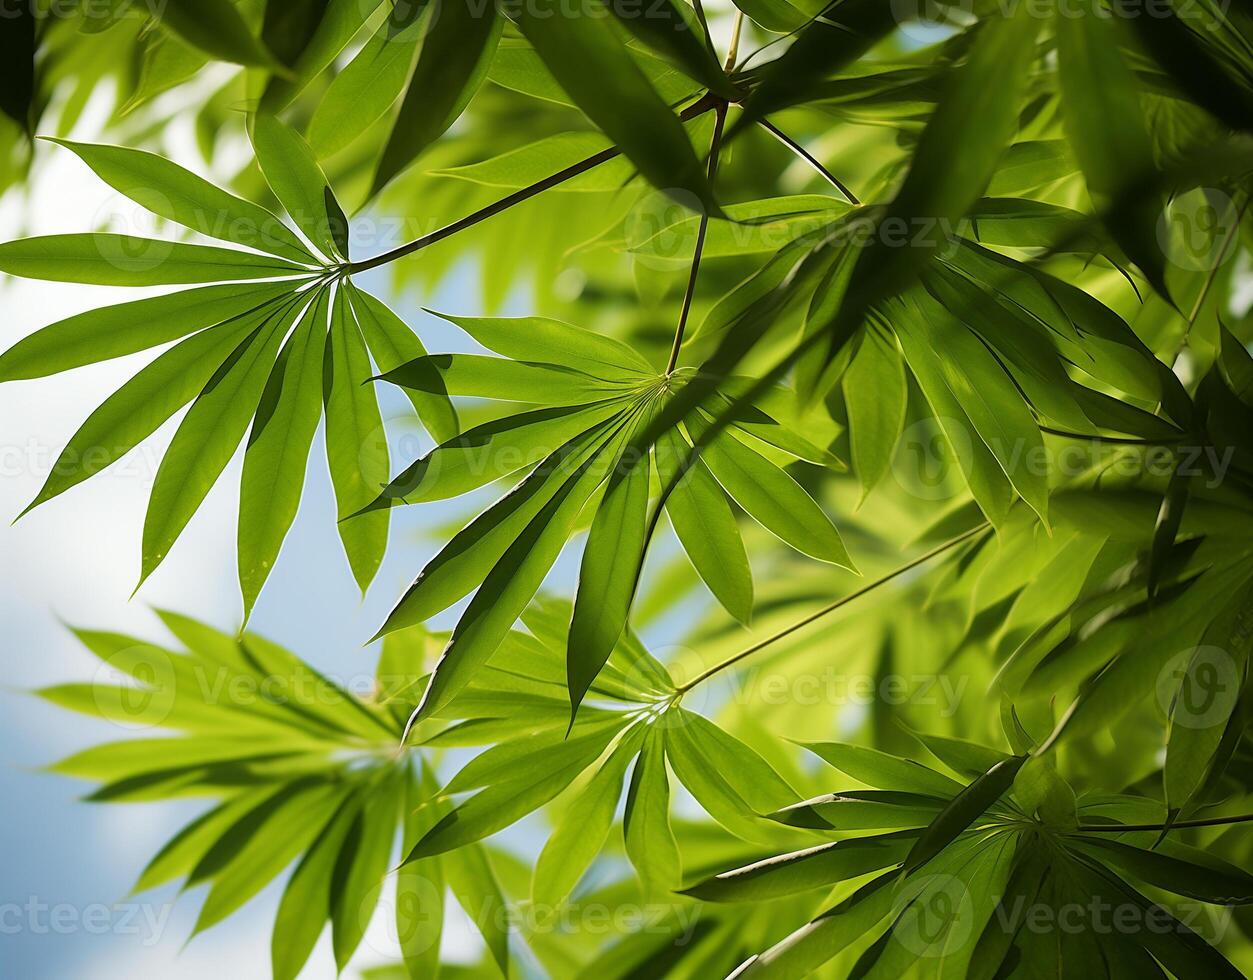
(951, 299)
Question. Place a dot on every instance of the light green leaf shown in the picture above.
(216, 28)
(580, 834)
(286, 832)
(145, 402)
(169, 191)
(475, 376)
(769, 495)
(362, 92)
(526, 165)
(537, 338)
(463, 564)
(514, 580)
(876, 395)
(882, 770)
(800, 871)
(208, 437)
(609, 573)
(114, 331)
(362, 865)
(122, 260)
(495, 449)
(356, 445)
(706, 527)
(392, 343)
(650, 842)
(292, 172)
(278, 450)
(829, 934)
(581, 49)
(452, 63)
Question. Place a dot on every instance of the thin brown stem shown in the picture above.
(809, 158)
(698, 108)
(1123, 828)
(832, 607)
(702, 230)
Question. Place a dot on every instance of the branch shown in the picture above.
(698, 108)
(838, 604)
(1123, 828)
(719, 121)
(809, 158)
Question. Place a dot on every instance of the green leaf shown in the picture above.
(114, 331)
(835, 930)
(538, 779)
(208, 437)
(463, 564)
(800, 871)
(292, 172)
(306, 904)
(841, 35)
(475, 376)
(356, 445)
(216, 28)
(706, 527)
(1106, 126)
(727, 777)
(143, 404)
(420, 885)
(769, 495)
(537, 338)
(286, 832)
(393, 343)
(278, 450)
(883, 770)
(580, 47)
(122, 260)
(526, 165)
(338, 25)
(580, 834)
(514, 580)
(963, 810)
(976, 119)
(495, 449)
(460, 40)
(650, 842)
(473, 881)
(362, 92)
(178, 195)
(675, 33)
(362, 865)
(876, 395)
(1189, 871)
(609, 573)
(182, 852)
(861, 810)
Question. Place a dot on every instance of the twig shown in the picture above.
(720, 119)
(698, 108)
(832, 607)
(1123, 828)
(809, 158)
